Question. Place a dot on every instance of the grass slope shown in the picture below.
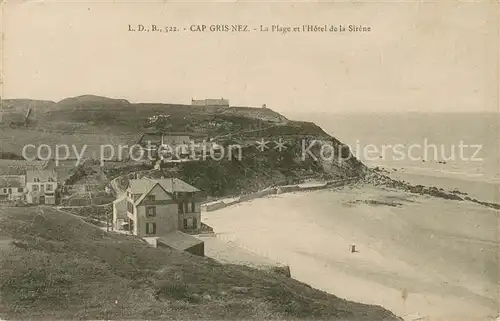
(55, 266)
(86, 123)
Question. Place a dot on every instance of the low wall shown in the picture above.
(313, 188)
(274, 190)
(259, 194)
(340, 183)
(214, 206)
(233, 202)
(287, 189)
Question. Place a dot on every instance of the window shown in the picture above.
(150, 228)
(20, 190)
(150, 211)
(150, 197)
(10, 190)
(5, 191)
(193, 207)
(36, 180)
(50, 187)
(185, 224)
(181, 208)
(35, 188)
(186, 207)
(195, 223)
(51, 179)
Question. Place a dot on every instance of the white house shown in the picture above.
(41, 186)
(155, 207)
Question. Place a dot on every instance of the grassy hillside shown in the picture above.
(93, 121)
(103, 111)
(55, 266)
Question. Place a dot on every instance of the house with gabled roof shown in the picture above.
(12, 187)
(157, 207)
(13, 179)
(41, 186)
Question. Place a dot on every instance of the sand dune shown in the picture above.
(417, 256)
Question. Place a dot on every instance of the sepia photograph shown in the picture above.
(243, 160)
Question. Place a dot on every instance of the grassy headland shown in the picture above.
(94, 121)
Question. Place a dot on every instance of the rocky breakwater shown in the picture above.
(378, 178)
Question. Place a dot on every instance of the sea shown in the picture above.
(425, 258)
(449, 150)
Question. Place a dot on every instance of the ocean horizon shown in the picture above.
(478, 133)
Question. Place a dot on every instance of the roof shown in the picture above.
(42, 174)
(176, 185)
(12, 181)
(175, 139)
(178, 240)
(170, 185)
(140, 186)
(19, 167)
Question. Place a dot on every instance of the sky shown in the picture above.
(426, 57)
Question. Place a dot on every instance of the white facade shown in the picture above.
(41, 187)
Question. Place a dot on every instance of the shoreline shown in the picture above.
(375, 177)
(401, 248)
(426, 185)
(224, 202)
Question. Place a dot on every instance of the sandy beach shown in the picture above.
(418, 256)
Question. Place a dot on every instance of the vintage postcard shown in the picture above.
(247, 160)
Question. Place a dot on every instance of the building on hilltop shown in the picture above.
(210, 102)
(157, 139)
(169, 145)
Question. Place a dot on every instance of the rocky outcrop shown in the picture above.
(377, 178)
